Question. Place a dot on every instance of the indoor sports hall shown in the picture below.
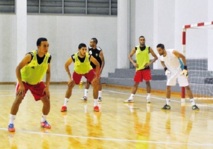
(138, 107)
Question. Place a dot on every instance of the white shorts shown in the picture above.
(173, 78)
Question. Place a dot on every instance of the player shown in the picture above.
(82, 67)
(30, 72)
(97, 53)
(170, 62)
(142, 66)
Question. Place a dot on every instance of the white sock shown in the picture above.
(148, 96)
(85, 92)
(167, 101)
(99, 94)
(95, 102)
(131, 96)
(192, 101)
(43, 118)
(11, 119)
(66, 101)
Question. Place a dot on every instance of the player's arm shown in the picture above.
(67, 64)
(183, 58)
(130, 57)
(94, 61)
(23, 62)
(103, 61)
(154, 55)
(167, 72)
(48, 74)
(180, 55)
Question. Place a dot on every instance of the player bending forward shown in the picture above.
(170, 59)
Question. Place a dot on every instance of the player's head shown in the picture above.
(42, 45)
(93, 42)
(82, 48)
(161, 49)
(142, 40)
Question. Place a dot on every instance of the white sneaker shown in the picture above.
(148, 100)
(128, 101)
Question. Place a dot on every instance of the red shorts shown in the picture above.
(36, 90)
(89, 76)
(141, 75)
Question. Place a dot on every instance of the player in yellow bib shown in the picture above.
(82, 67)
(142, 66)
(30, 72)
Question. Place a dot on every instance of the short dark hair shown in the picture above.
(141, 37)
(81, 45)
(95, 40)
(38, 43)
(160, 45)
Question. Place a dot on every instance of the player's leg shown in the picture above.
(15, 108)
(168, 96)
(90, 76)
(183, 82)
(137, 80)
(75, 80)
(171, 81)
(146, 75)
(87, 85)
(45, 111)
(100, 91)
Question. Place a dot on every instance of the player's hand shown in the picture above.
(147, 65)
(135, 65)
(21, 90)
(167, 72)
(184, 72)
(46, 92)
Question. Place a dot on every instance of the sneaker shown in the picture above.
(128, 101)
(63, 109)
(11, 128)
(99, 99)
(45, 125)
(195, 107)
(84, 98)
(148, 100)
(96, 108)
(166, 107)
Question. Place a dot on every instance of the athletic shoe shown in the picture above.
(96, 108)
(195, 107)
(63, 109)
(99, 99)
(11, 128)
(148, 100)
(84, 98)
(166, 107)
(128, 101)
(45, 125)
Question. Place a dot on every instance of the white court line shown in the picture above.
(112, 139)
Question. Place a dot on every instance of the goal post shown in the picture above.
(209, 78)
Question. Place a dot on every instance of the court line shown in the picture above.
(111, 139)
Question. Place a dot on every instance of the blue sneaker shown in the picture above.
(11, 128)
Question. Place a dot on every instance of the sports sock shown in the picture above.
(85, 92)
(167, 101)
(99, 94)
(131, 96)
(43, 118)
(66, 101)
(11, 119)
(192, 101)
(95, 102)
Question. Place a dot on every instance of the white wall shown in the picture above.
(7, 47)
(64, 34)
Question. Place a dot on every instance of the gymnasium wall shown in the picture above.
(162, 21)
(64, 34)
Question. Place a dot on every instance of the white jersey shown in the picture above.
(171, 61)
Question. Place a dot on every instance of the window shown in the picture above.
(7, 6)
(83, 7)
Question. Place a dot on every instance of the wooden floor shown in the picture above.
(117, 126)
